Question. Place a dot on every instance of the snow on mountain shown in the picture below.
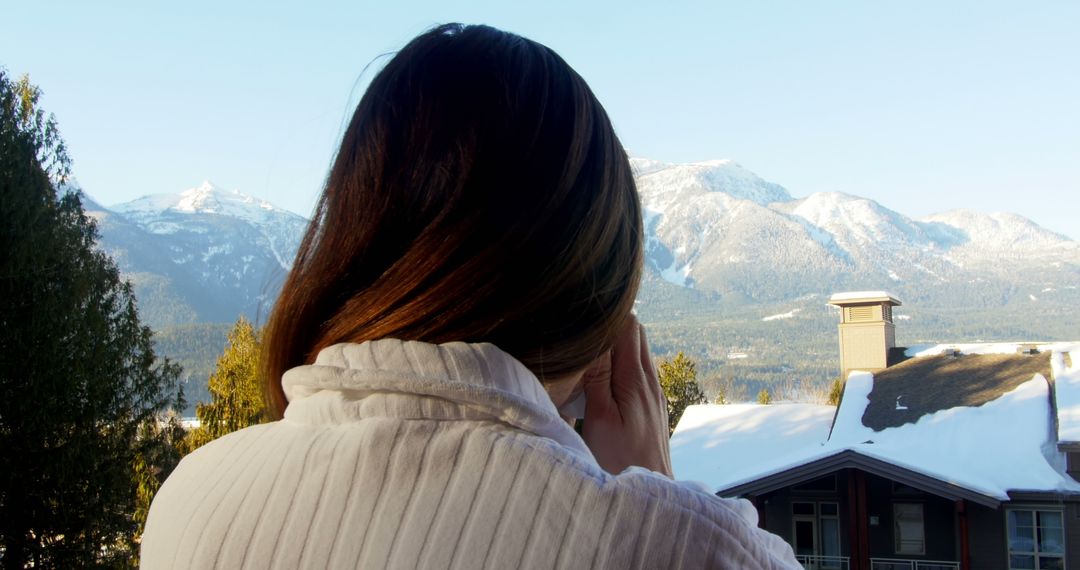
(716, 226)
(713, 230)
(205, 198)
(204, 254)
(852, 220)
(167, 214)
(661, 185)
(642, 166)
(701, 216)
(997, 231)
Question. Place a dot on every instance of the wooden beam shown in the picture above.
(853, 522)
(863, 521)
(965, 548)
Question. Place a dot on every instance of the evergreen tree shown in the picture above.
(678, 379)
(764, 397)
(836, 391)
(78, 373)
(237, 399)
(154, 462)
(721, 398)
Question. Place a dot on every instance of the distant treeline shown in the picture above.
(734, 349)
(196, 347)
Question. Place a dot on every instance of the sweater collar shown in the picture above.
(475, 378)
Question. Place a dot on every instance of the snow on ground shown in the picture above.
(1067, 392)
(788, 315)
(1006, 444)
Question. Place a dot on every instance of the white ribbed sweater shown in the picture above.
(400, 454)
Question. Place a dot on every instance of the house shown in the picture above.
(938, 457)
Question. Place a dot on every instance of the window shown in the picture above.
(829, 518)
(908, 528)
(816, 531)
(1036, 539)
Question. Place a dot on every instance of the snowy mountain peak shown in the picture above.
(205, 187)
(823, 208)
(659, 182)
(202, 198)
(206, 198)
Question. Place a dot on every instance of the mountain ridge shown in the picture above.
(713, 226)
(726, 252)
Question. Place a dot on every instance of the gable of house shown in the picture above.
(938, 460)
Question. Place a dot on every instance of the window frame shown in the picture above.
(1035, 553)
(816, 519)
(897, 545)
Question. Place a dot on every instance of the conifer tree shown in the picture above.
(721, 397)
(764, 396)
(78, 373)
(678, 379)
(236, 390)
(836, 391)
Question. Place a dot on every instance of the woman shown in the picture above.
(470, 269)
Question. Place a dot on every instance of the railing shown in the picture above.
(813, 562)
(902, 564)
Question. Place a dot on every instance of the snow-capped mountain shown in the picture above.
(714, 232)
(166, 214)
(204, 254)
(719, 228)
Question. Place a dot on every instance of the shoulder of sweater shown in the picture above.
(651, 486)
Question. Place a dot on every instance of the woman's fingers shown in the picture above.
(627, 368)
(649, 367)
(596, 383)
(625, 413)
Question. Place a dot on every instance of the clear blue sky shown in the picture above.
(922, 106)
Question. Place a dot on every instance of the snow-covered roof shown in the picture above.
(721, 444)
(1005, 444)
(920, 350)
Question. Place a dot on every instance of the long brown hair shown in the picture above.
(480, 194)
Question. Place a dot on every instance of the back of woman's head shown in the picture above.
(479, 195)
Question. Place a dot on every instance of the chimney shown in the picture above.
(867, 332)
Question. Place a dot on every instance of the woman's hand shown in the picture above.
(625, 412)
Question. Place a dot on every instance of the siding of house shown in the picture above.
(1072, 464)
(1072, 536)
(987, 544)
(776, 508)
(939, 521)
